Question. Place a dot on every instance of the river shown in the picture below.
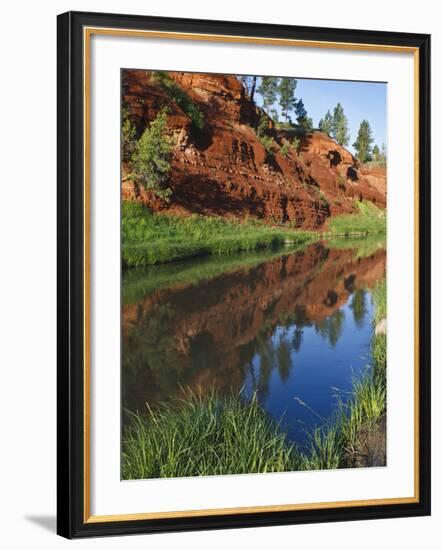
(292, 326)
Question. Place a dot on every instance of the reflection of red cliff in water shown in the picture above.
(225, 316)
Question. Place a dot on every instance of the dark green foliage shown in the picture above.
(326, 124)
(269, 91)
(151, 158)
(301, 116)
(263, 124)
(287, 99)
(177, 94)
(307, 124)
(128, 136)
(363, 143)
(300, 111)
(339, 130)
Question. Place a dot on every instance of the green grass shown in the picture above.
(369, 219)
(149, 238)
(201, 436)
(380, 300)
(212, 435)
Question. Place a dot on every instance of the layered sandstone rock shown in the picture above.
(225, 170)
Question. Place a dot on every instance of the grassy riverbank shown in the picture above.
(210, 435)
(205, 436)
(149, 238)
(369, 220)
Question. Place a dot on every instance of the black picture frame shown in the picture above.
(72, 522)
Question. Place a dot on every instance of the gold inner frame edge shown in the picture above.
(87, 33)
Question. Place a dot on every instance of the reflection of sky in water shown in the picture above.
(313, 364)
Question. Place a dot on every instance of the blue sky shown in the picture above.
(360, 100)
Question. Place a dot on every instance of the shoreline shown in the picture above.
(354, 436)
(150, 239)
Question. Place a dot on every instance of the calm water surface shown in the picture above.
(293, 327)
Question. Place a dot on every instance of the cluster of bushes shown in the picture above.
(292, 145)
(149, 157)
(269, 144)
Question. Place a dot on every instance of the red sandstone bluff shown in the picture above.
(225, 170)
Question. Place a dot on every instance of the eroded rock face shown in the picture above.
(225, 170)
(376, 176)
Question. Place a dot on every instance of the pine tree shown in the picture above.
(363, 143)
(326, 124)
(151, 159)
(301, 116)
(269, 91)
(287, 99)
(339, 131)
(376, 154)
(300, 111)
(307, 124)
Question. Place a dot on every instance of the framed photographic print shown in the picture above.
(243, 274)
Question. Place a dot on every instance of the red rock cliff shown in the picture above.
(225, 170)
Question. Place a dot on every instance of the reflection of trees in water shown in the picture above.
(149, 344)
(151, 362)
(185, 336)
(359, 307)
(297, 338)
(273, 352)
(155, 362)
(266, 354)
(331, 327)
(283, 356)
